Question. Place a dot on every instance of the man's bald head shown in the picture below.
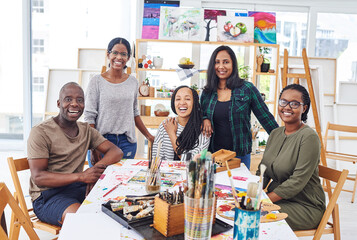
(64, 87)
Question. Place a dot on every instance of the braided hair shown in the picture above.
(188, 138)
(305, 98)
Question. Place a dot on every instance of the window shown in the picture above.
(38, 84)
(38, 46)
(37, 6)
(335, 38)
(291, 29)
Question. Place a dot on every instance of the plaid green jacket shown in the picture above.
(244, 99)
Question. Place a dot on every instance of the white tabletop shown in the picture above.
(98, 225)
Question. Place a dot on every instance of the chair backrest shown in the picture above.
(7, 198)
(339, 177)
(15, 166)
(340, 128)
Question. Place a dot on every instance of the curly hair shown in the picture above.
(305, 98)
(188, 138)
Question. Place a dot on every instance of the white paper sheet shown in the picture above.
(85, 226)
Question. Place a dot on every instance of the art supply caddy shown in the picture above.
(162, 215)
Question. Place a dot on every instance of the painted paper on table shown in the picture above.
(264, 27)
(151, 17)
(181, 23)
(235, 29)
(168, 179)
(210, 23)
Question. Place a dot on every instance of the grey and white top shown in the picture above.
(112, 106)
(167, 151)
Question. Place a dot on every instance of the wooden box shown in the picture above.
(233, 163)
(169, 219)
(221, 156)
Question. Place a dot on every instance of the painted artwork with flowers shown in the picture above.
(264, 27)
(235, 29)
(181, 23)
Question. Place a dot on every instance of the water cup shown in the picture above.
(198, 218)
(246, 224)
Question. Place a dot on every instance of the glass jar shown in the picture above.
(152, 181)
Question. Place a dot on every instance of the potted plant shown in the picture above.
(244, 72)
(265, 62)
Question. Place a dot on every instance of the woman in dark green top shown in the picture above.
(292, 156)
(227, 102)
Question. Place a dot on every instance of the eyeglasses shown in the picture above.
(122, 54)
(292, 104)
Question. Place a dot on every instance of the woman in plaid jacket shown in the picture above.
(227, 102)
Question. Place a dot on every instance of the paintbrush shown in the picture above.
(236, 201)
(111, 190)
(191, 179)
(259, 193)
(251, 193)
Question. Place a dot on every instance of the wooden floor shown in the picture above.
(347, 209)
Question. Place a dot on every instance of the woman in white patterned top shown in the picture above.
(182, 133)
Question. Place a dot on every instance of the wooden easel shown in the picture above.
(307, 76)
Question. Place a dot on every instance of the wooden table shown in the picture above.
(97, 224)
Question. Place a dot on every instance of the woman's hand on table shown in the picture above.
(207, 128)
(170, 126)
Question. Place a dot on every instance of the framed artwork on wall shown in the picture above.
(235, 29)
(264, 27)
(181, 24)
(151, 17)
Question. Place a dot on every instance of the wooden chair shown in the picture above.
(15, 166)
(338, 177)
(22, 220)
(342, 156)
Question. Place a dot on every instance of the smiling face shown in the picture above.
(71, 103)
(290, 115)
(184, 102)
(117, 61)
(223, 65)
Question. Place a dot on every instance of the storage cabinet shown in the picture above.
(199, 52)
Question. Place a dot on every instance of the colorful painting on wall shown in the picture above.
(264, 27)
(210, 19)
(151, 17)
(181, 23)
(235, 29)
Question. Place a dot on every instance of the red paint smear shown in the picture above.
(225, 208)
(240, 178)
(102, 176)
(221, 195)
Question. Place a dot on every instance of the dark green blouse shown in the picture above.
(292, 166)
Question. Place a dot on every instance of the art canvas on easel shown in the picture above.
(181, 23)
(235, 29)
(264, 27)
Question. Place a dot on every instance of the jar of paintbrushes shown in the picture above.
(152, 181)
(153, 176)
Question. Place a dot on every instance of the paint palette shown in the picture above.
(227, 211)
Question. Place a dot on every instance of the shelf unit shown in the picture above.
(251, 50)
